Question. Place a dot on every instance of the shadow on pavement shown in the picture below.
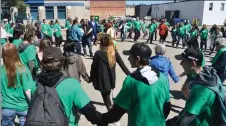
(97, 103)
(177, 95)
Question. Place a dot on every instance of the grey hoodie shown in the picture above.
(76, 68)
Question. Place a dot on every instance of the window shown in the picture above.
(49, 13)
(158, 8)
(34, 12)
(61, 12)
(211, 6)
(222, 6)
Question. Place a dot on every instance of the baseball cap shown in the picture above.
(139, 49)
(53, 53)
(191, 53)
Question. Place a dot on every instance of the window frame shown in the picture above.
(222, 7)
(210, 6)
(63, 9)
(47, 8)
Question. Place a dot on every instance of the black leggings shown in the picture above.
(58, 41)
(107, 99)
(203, 43)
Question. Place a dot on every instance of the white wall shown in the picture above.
(130, 11)
(216, 16)
(188, 9)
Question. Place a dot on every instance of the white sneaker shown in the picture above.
(114, 124)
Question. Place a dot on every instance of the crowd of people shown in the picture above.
(42, 85)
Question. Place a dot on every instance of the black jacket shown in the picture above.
(102, 76)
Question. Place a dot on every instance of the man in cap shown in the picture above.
(144, 95)
(69, 90)
(201, 108)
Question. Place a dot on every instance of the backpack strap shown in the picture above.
(60, 80)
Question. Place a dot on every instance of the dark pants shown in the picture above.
(137, 34)
(145, 33)
(107, 99)
(183, 40)
(123, 36)
(88, 43)
(130, 33)
(214, 45)
(77, 46)
(162, 38)
(95, 38)
(67, 35)
(58, 41)
(155, 33)
(150, 37)
(174, 37)
(203, 43)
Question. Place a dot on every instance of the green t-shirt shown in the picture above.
(152, 27)
(193, 33)
(29, 54)
(129, 24)
(14, 98)
(45, 28)
(74, 96)
(167, 24)
(3, 41)
(7, 26)
(137, 25)
(144, 26)
(156, 25)
(188, 27)
(202, 103)
(181, 31)
(204, 34)
(10, 30)
(57, 30)
(143, 102)
(17, 42)
(67, 24)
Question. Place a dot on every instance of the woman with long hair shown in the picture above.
(17, 85)
(44, 43)
(103, 68)
(204, 36)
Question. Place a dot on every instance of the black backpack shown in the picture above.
(46, 108)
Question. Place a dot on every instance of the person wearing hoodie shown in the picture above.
(69, 90)
(162, 63)
(144, 94)
(73, 65)
(102, 72)
(201, 108)
(27, 51)
(219, 60)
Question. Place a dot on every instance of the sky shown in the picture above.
(147, 2)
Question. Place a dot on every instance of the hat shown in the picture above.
(220, 42)
(139, 49)
(53, 52)
(191, 53)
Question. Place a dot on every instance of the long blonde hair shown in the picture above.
(11, 60)
(107, 44)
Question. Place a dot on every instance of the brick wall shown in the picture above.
(104, 9)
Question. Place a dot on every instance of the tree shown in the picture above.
(15, 3)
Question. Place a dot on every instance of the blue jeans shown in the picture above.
(8, 117)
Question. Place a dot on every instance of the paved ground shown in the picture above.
(176, 96)
(177, 99)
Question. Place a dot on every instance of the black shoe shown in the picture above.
(91, 55)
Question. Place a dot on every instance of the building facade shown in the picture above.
(58, 9)
(105, 9)
(207, 12)
(142, 10)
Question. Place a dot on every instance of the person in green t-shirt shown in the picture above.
(46, 30)
(181, 34)
(16, 85)
(70, 92)
(68, 25)
(6, 25)
(27, 52)
(203, 36)
(130, 29)
(137, 28)
(57, 33)
(143, 28)
(11, 29)
(201, 108)
(188, 28)
(144, 95)
(17, 37)
(156, 28)
(194, 32)
(151, 28)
